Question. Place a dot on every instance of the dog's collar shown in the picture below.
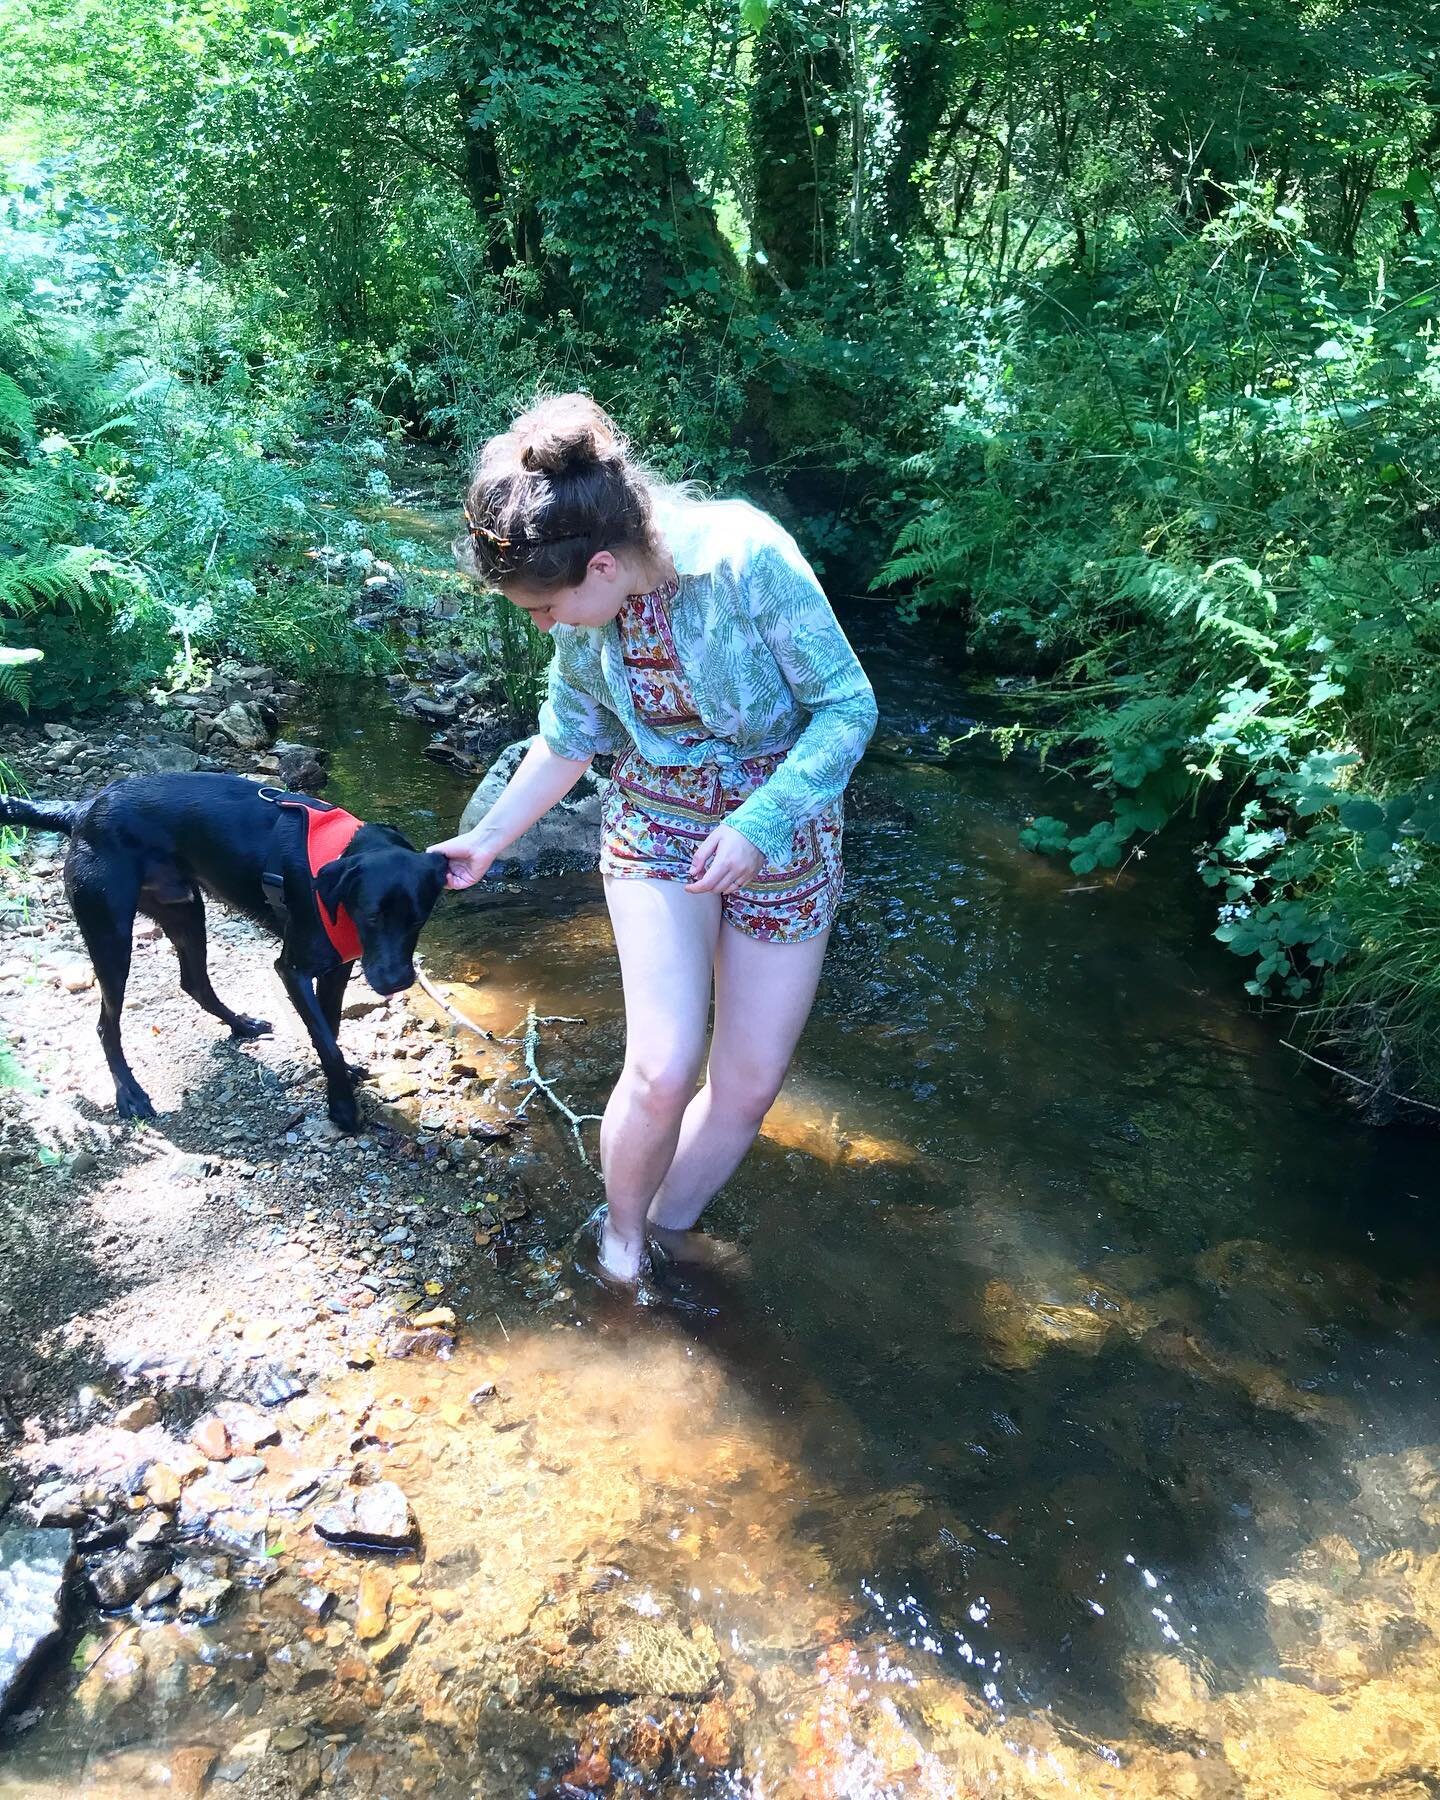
(328, 831)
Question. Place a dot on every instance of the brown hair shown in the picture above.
(548, 493)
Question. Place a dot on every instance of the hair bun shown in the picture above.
(567, 434)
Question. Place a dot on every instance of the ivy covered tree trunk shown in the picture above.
(800, 99)
(921, 79)
(484, 182)
(596, 188)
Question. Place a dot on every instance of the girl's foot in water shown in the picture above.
(622, 1259)
(597, 1259)
(699, 1249)
(654, 1282)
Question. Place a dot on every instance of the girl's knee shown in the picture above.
(746, 1094)
(661, 1086)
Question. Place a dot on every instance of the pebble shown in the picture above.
(138, 1414)
(202, 1595)
(372, 1610)
(159, 1593)
(210, 1438)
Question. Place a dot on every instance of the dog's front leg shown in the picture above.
(330, 992)
(340, 1087)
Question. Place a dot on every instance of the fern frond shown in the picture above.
(15, 675)
(17, 410)
(64, 576)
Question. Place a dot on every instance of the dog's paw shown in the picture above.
(344, 1115)
(134, 1103)
(357, 1071)
(245, 1029)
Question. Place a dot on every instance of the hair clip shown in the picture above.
(477, 530)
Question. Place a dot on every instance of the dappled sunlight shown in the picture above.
(833, 1136)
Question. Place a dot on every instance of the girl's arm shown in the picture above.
(542, 779)
(800, 629)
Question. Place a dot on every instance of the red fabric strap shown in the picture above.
(327, 834)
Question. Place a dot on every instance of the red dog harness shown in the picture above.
(327, 834)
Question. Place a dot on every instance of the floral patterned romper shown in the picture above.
(655, 817)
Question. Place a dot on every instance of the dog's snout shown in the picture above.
(390, 980)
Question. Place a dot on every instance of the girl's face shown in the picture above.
(608, 579)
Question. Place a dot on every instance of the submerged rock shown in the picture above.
(34, 1565)
(627, 1655)
(203, 1591)
(377, 1517)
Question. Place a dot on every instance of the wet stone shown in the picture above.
(58, 1511)
(247, 1429)
(34, 1564)
(138, 1414)
(377, 1517)
(628, 1655)
(121, 1579)
(202, 1594)
(189, 1770)
(210, 1438)
(242, 1756)
(319, 1601)
(159, 1593)
(274, 1386)
(430, 1341)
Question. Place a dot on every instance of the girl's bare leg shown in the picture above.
(763, 995)
(666, 939)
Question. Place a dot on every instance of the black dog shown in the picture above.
(151, 843)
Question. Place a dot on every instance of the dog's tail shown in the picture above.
(41, 815)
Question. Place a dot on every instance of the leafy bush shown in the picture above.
(1195, 497)
(158, 490)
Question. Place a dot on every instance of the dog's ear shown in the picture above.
(335, 883)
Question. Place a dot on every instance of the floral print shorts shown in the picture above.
(656, 816)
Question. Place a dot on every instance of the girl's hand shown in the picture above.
(469, 859)
(727, 860)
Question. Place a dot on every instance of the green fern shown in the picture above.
(63, 576)
(15, 674)
(17, 410)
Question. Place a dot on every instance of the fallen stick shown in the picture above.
(447, 1005)
(1360, 1081)
(532, 1069)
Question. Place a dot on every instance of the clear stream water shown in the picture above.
(1077, 1388)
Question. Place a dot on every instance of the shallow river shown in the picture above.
(1068, 1424)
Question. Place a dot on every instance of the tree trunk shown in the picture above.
(483, 181)
(799, 99)
(920, 80)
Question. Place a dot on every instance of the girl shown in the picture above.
(693, 641)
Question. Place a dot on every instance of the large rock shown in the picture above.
(566, 840)
(163, 758)
(622, 1653)
(247, 724)
(34, 1565)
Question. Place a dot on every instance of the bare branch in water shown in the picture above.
(532, 1045)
